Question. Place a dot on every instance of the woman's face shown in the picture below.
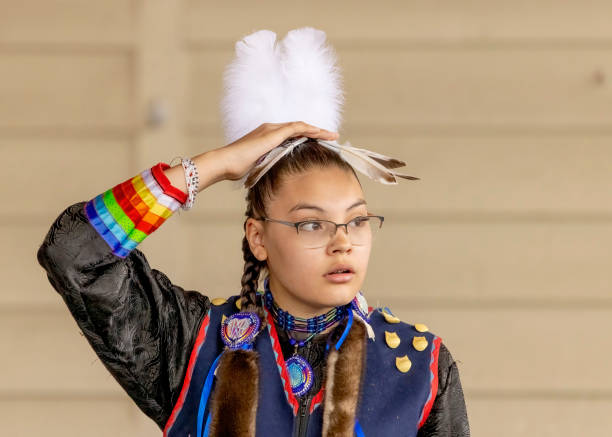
(298, 278)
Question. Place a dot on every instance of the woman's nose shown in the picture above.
(341, 239)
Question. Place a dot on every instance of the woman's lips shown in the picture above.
(339, 278)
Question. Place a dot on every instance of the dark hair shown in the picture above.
(310, 154)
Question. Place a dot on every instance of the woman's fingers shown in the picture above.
(299, 128)
(243, 152)
(325, 135)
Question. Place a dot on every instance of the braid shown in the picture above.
(249, 281)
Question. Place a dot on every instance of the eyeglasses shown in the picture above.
(318, 233)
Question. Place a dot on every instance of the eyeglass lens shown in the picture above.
(318, 233)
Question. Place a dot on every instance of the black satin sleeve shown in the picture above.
(140, 324)
(448, 416)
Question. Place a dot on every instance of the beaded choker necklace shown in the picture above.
(312, 325)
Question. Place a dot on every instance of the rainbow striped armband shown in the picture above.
(130, 211)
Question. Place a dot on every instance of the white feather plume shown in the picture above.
(253, 85)
(294, 79)
(276, 82)
(313, 78)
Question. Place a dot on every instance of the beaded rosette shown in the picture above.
(301, 375)
(239, 329)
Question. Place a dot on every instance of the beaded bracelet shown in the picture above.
(192, 179)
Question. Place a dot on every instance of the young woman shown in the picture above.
(301, 356)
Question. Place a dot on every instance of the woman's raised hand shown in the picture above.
(233, 161)
(241, 155)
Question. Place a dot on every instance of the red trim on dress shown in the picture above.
(161, 178)
(187, 380)
(433, 367)
(317, 399)
(282, 366)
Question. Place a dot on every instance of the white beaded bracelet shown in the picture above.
(192, 178)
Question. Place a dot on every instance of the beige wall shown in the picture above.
(502, 108)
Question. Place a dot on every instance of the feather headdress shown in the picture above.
(293, 79)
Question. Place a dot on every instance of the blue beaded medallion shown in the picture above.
(239, 329)
(300, 375)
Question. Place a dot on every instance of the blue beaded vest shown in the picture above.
(397, 391)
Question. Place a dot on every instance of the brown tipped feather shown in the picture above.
(272, 157)
(365, 164)
(387, 161)
(374, 165)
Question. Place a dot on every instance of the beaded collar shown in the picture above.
(312, 325)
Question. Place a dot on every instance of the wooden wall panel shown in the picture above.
(397, 20)
(67, 21)
(71, 366)
(448, 263)
(540, 417)
(26, 283)
(54, 91)
(59, 416)
(60, 171)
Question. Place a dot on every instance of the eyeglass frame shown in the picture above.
(297, 224)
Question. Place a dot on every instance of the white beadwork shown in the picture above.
(192, 179)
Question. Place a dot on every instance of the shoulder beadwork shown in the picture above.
(218, 301)
(225, 305)
(387, 318)
(403, 342)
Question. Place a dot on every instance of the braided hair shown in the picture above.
(303, 157)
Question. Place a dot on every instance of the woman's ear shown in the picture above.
(254, 234)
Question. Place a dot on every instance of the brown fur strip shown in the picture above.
(235, 395)
(345, 369)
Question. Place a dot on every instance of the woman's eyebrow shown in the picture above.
(302, 205)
